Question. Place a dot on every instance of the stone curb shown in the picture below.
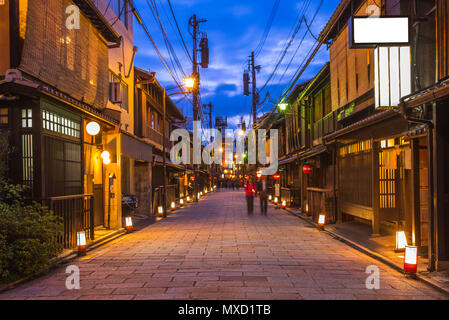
(62, 259)
(372, 254)
(72, 255)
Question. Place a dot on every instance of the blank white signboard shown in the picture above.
(381, 30)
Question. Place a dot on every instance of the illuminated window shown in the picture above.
(385, 144)
(359, 147)
(27, 118)
(4, 116)
(60, 124)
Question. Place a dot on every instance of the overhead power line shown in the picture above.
(179, 30)
(267, 28)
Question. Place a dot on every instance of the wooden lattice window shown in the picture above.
(387, 181)
(27, 160)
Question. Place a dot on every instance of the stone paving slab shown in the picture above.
(213, 250)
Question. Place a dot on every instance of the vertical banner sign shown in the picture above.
(392, 75)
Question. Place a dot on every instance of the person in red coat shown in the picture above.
(250, 192)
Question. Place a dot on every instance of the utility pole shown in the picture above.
(164, 194)
(211, 141)
(254, 83)
(194, 23)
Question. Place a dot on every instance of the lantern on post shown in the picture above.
(284, 204)
(307, 169)
(270, 197)
(129, 224)
(321, 221)
(181, 202)
(93, 128)
(173, 206)
(106, 156)
(411, 260)
(307, 208)
(401, 241)
(188, 199)
(160, 211)
(81, 242)
(276, 202)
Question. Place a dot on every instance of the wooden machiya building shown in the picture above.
(389, 171)
(54, 81)
(148, 125)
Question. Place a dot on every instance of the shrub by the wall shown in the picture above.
(28, 234)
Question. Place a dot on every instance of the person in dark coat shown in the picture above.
(250, 192)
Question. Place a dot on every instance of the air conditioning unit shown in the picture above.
(115, 92)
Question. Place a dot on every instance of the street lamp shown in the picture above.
(106, 156)
(93, 128)
(81, 242)
(321, 221)
(189, 83)
(283, 106)
(160, 211)
(129, 224)
(401, 241)
(411, 260)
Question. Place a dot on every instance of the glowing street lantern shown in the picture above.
(283, 106)
(181, 202)
(93, 128)
(160, 211)
(199, 195)
(106, 156)
(129, 224)
(411, 259)
(284, 204)
(270, 197)
(277, 177)
(321, 221)
(276, 200)
(307, 169)
(188, 199)
(81, 242)
(173, 206)
(189, 83)
(401, 240)
(307, 209)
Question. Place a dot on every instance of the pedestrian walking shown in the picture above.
(263, 196)
(250, 192)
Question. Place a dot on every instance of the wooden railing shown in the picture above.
(156, 136)
(321, 201)
(292, 195)
(77, 214)
(158, 194)
(324, 126)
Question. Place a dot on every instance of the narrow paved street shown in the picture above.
(212, 250)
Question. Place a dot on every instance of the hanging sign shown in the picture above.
(371, 32)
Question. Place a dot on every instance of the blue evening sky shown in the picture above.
(234, 29)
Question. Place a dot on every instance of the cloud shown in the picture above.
(240, 10)
(234, 29)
